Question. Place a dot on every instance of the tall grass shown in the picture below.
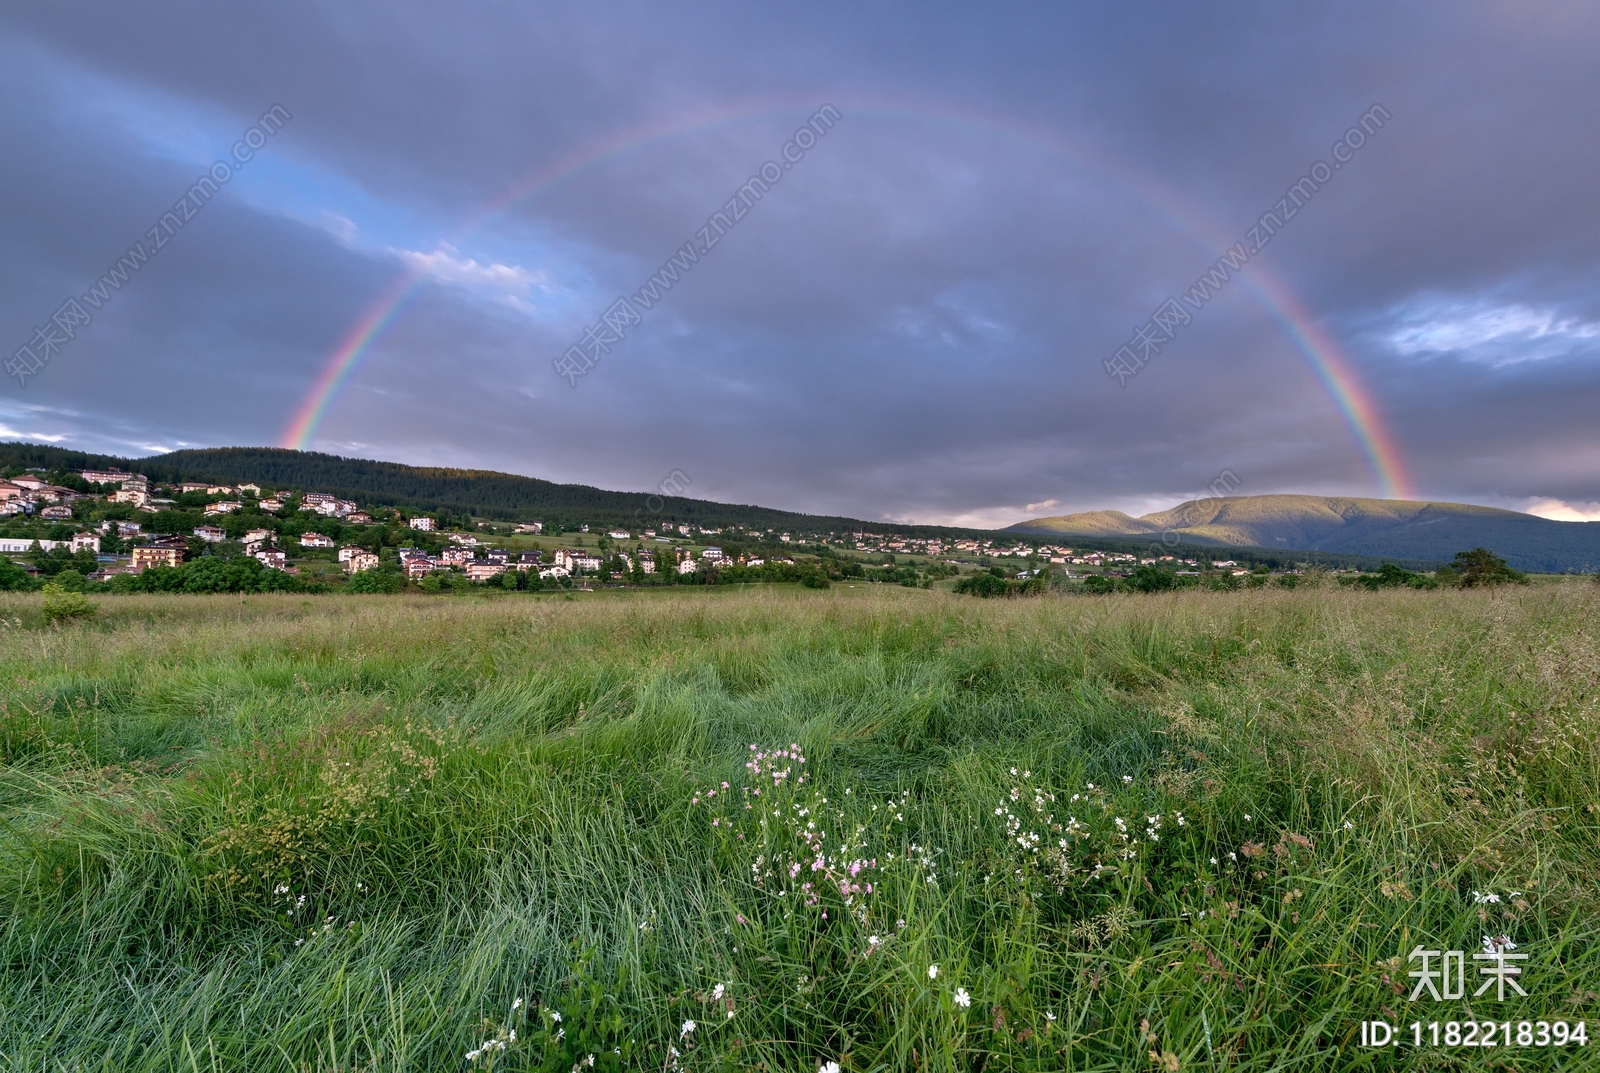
(275, 832)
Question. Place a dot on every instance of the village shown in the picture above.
(111, 522)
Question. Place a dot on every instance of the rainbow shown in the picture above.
(1333, 370)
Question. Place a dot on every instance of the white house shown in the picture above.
(619, 534)
(422, 525)
(224, 506)
(211, 534)
(688, 566)
(273, 558)
(350, 551)
(85, 540)
(315, 540)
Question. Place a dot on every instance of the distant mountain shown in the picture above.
(1372, 527)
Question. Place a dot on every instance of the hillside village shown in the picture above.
(102, 525)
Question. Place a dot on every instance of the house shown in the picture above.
(253, 489)
(343, 507)
(528, 560)
(272, 504)
(30, 481)
(9, 490)
(56, 513)
(688, 566)
(575, 559)
(224, 506)
(619, 534)
(498, 555)
(361, 560)
(421, 525)
(153, 556)
(456, 556)
(647, 564)
(313, 500)
(420, 566)
(484, 571)
(219, 490)
(108, 476)
(211, 534)
(272, 558)
(464, 539)
(531, 527)
(259, 536)
(755, 562)
(80, 541)
(126, 529)
(315, 540)
(192, 486)
(712, 553)
(358, 517)
(350, 551)
(553, 571)
(131, 495)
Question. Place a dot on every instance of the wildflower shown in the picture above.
(554, 1016)
(1049, 1016)
(933, 972)
(1495, 944)
(688, 1027)
(1247, 815)
(717, 993)
(1127, 778)
(828, 1067)
(1213, 860)
(517, 1005)
(1479, 898)
(962, 998)
(1348, 826)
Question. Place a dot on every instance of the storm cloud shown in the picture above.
(913, 322)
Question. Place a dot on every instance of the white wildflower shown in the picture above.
(688, 1027)
(962, 998)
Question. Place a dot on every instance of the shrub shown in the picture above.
(374, 581)
(61, 604)
(14, 578)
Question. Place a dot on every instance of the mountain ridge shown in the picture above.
(1413, 529)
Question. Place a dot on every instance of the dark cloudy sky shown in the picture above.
(911, 324)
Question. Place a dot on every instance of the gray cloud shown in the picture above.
(911, 324)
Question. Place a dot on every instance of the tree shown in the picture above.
(1153, 579)
(1480, 566)
(374, 581)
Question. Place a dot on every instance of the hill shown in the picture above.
(1383, 528)
(484, 493)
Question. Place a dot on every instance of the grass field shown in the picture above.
(1193, 831)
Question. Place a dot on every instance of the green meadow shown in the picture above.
(776, 829)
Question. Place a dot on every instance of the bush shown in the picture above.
(1152, 579)
(374, 581)
(61, 604)
(14, 578)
